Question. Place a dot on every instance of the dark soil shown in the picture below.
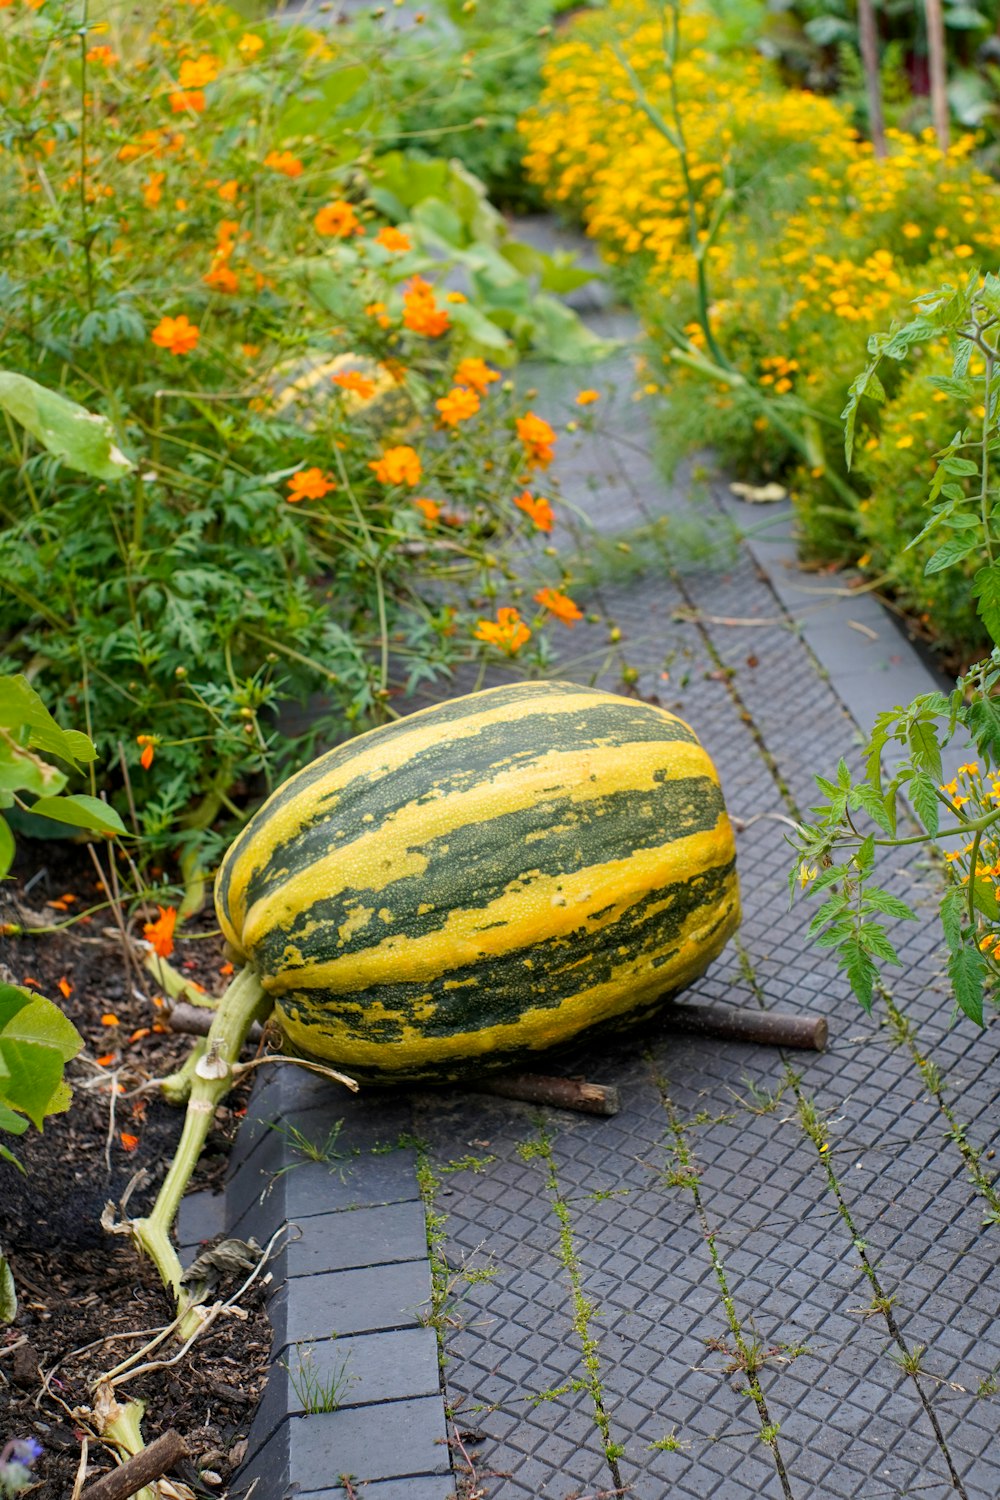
(76, 1283)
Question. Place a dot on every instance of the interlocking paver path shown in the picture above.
(601, 1284)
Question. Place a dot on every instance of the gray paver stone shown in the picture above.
(362, 1301)
(353, 1238)
(260, 1200)
(425, 1487)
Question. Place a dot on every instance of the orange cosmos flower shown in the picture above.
(538, 439)
(353, 380)
(476, 374)
(103, 55)
(338, 220)
(377, 310)
(182, 100)
(148, 743)
(560, 605)
(421, 313)
(249, 45)
(399, 465)
(161, 932)
(587, 398)
(537, 507)
(284, 162)
(457, 406)
(309, 484)
(178, 335)
(229, 191)
(508, 632)
(196, 72)
(221, 279)
(152, 189)
(430, 509)
(393, 239)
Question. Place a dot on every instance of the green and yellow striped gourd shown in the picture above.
(483, 880)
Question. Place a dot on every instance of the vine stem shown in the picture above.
(244, 1002)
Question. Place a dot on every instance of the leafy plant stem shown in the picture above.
(244, 1002)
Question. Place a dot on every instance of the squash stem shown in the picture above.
(244, 1002)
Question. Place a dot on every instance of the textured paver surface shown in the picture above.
(598, 1287)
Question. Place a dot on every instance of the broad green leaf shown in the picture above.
(861, 972)
(482, 333)
(951, 911)
(35, 1086)
(923, 797)
(950, 552)
(982, 715)
(21, 770)
(12, 1123)
(44, 1023)
(924, 747)
(986, 588)
(558, 334)
(80, 811)
(21, 707)
(967, 972)
(557, 273)
(867, 797)
(985, 900)
(887, 904)
(70, 432)
(875, 940)
(12, 1000)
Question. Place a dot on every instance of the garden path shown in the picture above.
(599, 1287)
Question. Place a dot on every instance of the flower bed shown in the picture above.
(806, 242)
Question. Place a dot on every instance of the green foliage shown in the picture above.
(27, 728)
(191, 264)
(36, 1041)
(835, 857)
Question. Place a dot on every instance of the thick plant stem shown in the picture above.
(244, 1002)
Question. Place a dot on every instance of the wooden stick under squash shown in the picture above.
(564, 1093)
(772, 1028)
(141, 1469)
(195, 1020)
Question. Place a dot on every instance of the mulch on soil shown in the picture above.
(77, 1284)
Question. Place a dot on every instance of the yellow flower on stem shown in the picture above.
(284, 162)
(177, 335)
(353, 380)
(457, 406)
(393, 239)
(337, 220)
(249, 45)
(400, 465)
(537, 508)
(161, 932)
(560, 605)
(196, 72)
(507, 632)
(538, 439)
(587, 398)
(309, 484)
(476, 374)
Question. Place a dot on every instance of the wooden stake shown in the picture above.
(564, 1093)
(868, 38)
(937, 59)
(770, 1027)
(141, 1469)
(195, 1020)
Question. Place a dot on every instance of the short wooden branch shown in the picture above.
(141, 1469)
(195, 1020)
(770, 1027)
(564, 1093)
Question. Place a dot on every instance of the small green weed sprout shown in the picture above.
(316, 1390)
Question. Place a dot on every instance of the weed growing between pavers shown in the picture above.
(540, 1149)
(746, 1357)
(908, 1359)
(317, 1392)
(904, 1034)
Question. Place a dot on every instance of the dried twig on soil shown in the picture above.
(141, 1469)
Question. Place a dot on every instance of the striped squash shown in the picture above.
(482, 880)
